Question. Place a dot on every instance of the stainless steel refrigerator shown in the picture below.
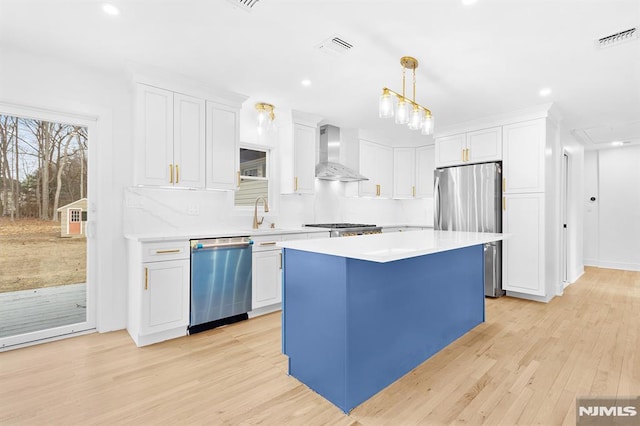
(469, 198)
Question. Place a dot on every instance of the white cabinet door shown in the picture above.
(425, 165)
(450, 150)
(189, 141)
(266, 278)
(304, 159)
(524, 151)
(376, 163)
(404, 172)
(523, 252)
(165, 298)
(154, 136)
(484, 145)
(222, 132)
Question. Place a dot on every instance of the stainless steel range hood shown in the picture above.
(329, 167)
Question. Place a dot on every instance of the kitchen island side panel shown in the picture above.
(314, 321)
(401, 313)
(352, 327)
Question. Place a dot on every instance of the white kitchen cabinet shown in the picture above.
(170, 138)
(222, 138)
(524, 156)
(267, 278)
(478, 146)
(376, 163)
(425, 165)
(404, 172)
(524, 251)
(158, 291)
(450, 150)
(297, 148)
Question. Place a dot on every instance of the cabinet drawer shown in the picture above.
(165, 250)
(266, 242)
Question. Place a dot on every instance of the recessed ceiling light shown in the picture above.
(617, 143)
(468, 2)
(545, 92)
(110, 9)
(306, 82)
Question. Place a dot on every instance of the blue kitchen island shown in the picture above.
(361, 312)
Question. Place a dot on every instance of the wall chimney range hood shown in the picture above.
(329, 167)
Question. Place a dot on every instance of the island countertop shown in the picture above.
(393, 246)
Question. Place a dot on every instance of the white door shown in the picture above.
(485, 145)
(189, 141)
(404, 173)
(304, 159)
(266, 278)
(450, 150)
(222, 146)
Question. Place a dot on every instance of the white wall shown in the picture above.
(45, 83)
(614, 241)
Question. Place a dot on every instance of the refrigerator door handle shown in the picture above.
(436, 198)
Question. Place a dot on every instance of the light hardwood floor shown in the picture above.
(525, 365)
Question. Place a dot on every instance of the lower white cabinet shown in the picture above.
(158, 291)
(267, 278)
(523, 252)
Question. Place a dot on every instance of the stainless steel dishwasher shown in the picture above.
(220, 282)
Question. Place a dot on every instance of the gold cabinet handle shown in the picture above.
(167, 251)
(177, 173)
(280, 260)
(504, 184)
(504, 204)
(295, 183)
(146, 278)
(170, 173)
(413, 190)
(463, 152)
(378, 190)
(238, 180)
(270, 243)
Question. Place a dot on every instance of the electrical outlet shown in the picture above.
(193, 210)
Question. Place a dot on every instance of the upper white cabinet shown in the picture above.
(170, 132)
(222, 130)
(404, 172)
(376, 163)
(450, 150)
(524, 154)
(425, 165)
(298, 154)
(478, 146)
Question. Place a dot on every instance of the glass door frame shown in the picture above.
(89, 325)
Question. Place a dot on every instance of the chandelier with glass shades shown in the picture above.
(406, 111)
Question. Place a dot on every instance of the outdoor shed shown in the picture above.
(73, 219)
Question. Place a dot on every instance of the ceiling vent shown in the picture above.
(335, 45)
(617, 38)
(245, 5)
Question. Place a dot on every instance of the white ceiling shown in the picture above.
(489, 58)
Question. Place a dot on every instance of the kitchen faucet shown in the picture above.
(257, 223)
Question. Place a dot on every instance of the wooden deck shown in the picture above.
(32, 310)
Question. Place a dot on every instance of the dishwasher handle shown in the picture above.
(197, 245)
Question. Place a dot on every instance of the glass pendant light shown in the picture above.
(427, 125)
(402, 112)
(385, 107)
(416, 118)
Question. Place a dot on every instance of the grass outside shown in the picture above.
(33, 255)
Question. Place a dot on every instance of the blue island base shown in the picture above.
(352, 327)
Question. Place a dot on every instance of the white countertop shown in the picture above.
(393, 246)
(217, 233)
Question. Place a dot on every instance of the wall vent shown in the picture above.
(617, 38)
(245, 5)
(335, 45)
